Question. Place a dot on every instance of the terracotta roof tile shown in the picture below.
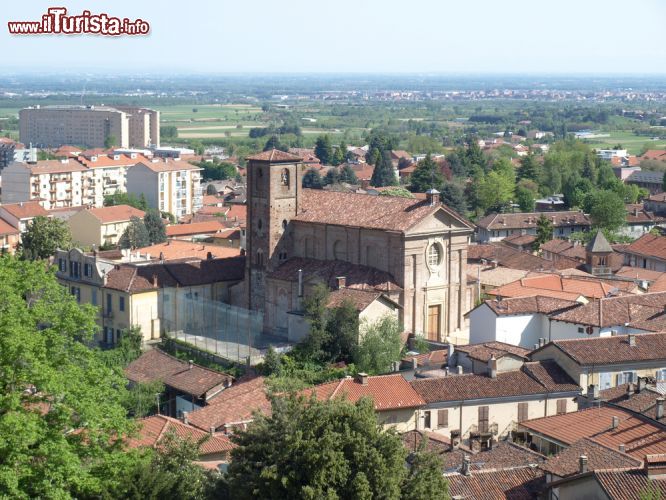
(166, 165)
(507, 256)
(360, 298)
(25, 210)
(529, 220)
(626, 396)
(516, 484)
(275, 156)
(176, 249)
(649, 245)
(7, 228)
(117, 213)
(156, 365)
(625, 485)
(574, 285)
(483, 351)
(388, 392)
(529, 305)
(438, 357)
(207, 227)
(566, 463)
(56, 167)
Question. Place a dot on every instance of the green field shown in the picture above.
(629, 141)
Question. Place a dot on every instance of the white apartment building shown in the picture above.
(108, 173)
(170, 185)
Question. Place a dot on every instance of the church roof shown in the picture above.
(599, 244)
(389, 213)
(274, 155)
(357, 277)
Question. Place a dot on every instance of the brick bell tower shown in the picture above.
(274, 181)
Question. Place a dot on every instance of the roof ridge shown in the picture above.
(335, 391)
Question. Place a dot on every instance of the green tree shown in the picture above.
(155, 226)
(383, 173)
(169, 132)
(454, 197)
(323, 149)
(339, 156)
(43, 237)
(312, 450)
(342, 326)
(135, 235)
(425, 479)
(120, 198)
(211, 189)
(529, 168)
(606, 209)
(312, 179)
(380, 345)
(315, 308)
(427, 175)
(495, 191)
(544, 231)
(110, 142)
(61, 411)
(397, 191)
(525, 199)
(332, 176)
(348, 175)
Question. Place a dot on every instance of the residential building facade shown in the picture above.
(101, 226)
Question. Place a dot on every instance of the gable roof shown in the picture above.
(156, 365)
(521, 483)
(485, 350)
(627, 484)
(56, 167)
(274, 156)
(566, 463)
(25, 209)
(616, 311)
(533, 378)
(234, 405)
(166, 165)
(612, 349)
(530, 305)
(178, 249)
(388, 392)
(566, 287)
(205, 227)
(7, 228)
(361, 299)
(628, 396)
(497, 221)
(649, 245)
(117, 213)
(153, 430)
(390, 213)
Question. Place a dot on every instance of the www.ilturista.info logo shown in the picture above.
(56, 21)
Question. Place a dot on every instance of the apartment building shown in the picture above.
(101, 226)
(108, 173)
(170, 185)
(495, 227)
(55, 183)
(144, 126)
(89, 126)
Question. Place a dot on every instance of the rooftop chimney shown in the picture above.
(641, 384)
(621, 448)
(466, 469)
(460, 370)
(582, 464)
(450, 349)
(631, 338)
(492, 367)
(190, 364)
(362, 378)
(415, 363)
(341, 282)
(432, 195)
(615, 422)
(542, 342)
(660, 408)
(631, 388)
(185, 420)
(209, 255)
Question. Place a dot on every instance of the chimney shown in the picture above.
(212, 430)
(582, 464)
(630, 389)
(161, 256)
(362, 378)
(415, 363)
(209, 255)
(641, 384)
(341, 282)
(542, 342)
(466, 469)
(615, 422)
(460, 370)
(155, 281)
(621, 448)
(631, 339)
(660, 408)
(592, 392)
(635, 211)
(432, 196)
(492, 367)
(190, 364)
(450, 350)
(446, 371)
(185, 420)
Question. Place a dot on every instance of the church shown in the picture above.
(385, 253)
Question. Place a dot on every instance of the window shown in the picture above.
(442, 418)
(260, 224)
(260, 259)
(483, 418)
(93, 297)
(434, 255)
(62, 265)
(626, 378)
(660, 375)
(426, 419)
(109, 303)
(121, 303)
(76, 291)
(284, 177)
(339, 250)
(87, 270)
(581, 329)
(560, 231)
(522, 412)
(561, 406)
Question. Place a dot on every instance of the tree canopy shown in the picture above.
(43, 237)
(136, 235)
(383, 173)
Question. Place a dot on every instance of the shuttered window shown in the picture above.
(483, 419)
(442, 418)
(561, 406)
(522, 412)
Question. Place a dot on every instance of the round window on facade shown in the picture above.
(434, 255)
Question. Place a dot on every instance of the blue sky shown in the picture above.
(366, 36)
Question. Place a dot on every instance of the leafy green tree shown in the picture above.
(454, 197)
(397, 191)
(155, 226)
(110, 142)
(380, 345)
(43, 237)
(606, 209)
(315, 308)
(339, 156)
(348, 175)
(332, 177)
(425, 479)
(525, 199)
(169, 132)
(544, 231)
(61, 409)
(342, 326)
(427, 175)
(383, 173)
(272, 362)
(211, 189)
(323, 149)
(274, 143)
(135, 235)
(120, 198)
(312, 449)
(312, 179)
(529, 168)
(495, 191)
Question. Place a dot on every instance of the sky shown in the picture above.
(353, 36)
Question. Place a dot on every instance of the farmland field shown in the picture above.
(629, 141)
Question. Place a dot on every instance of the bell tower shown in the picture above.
(273, 193)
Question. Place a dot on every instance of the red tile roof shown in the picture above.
(523, 483)
(627, 484)
(530, 305)
(649, 245)
(529, 220)
(176, 249)
(110, 161)
(233, 406)
(572, 285)
(372, 212)
(207, 227)
(485, 350)
(153, 430)
(438, 357)
(639, 435)
(167, 165)
(388, 392)
(117, 213)
(533, 378)
(638, 273)
(56, 167)
(25, 210)
(6, 228)
(654, 154)
(156, 365)
(659, 197)
(614, 349)
(566, 463)
(275, 156)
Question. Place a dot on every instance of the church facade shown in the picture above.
(406, 252)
